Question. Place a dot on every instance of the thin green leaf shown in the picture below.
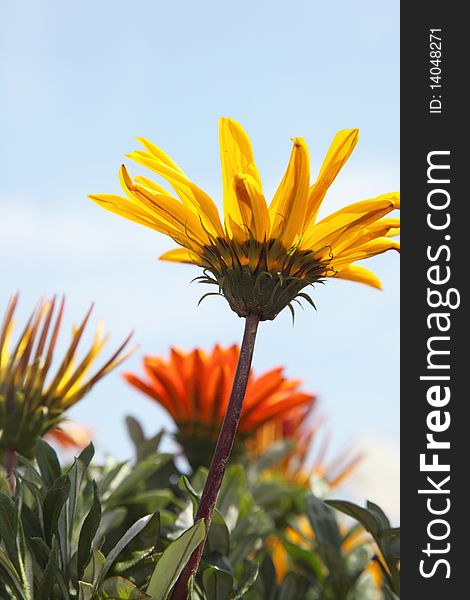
(136, 477)
(173, 561)
(48, 463)
(217, 584)
(53, 504)
(218, 539)
(117, 588)
(379, 515)
(76, 473)
(367, 519)
(293, 587)
(88, 532)
(248, 579)
(48, 578)
(85, 590)
(130, 534)
(10, 575)
(323, 521)
(93, 569)
(9, 528)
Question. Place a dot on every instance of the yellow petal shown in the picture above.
(181, 255)
(168, 210)
(381, 228)
(122, 207)
(372, 248)
(253, 207)
(287, 209)
(159, 154)
(361, 275)
(149, 184)
(189, 193)
(340, 150)
(236, 155)
(343, 224)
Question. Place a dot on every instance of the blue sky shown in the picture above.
(81, 81)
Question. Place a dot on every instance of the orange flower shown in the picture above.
(70, 436)
(194, 388)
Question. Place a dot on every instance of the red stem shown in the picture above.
(10, 464)
(222, 450)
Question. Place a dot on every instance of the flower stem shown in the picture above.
(222, 450)
(10, 464)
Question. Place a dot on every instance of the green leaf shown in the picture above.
(390, 543)
(76, 473)
(85, 590)
(26, 562)
(152, 499)
(110, 519)
(137, 556)
(48, 578)
(271, 458)
(232, 489)
(88, 532)
(293, 587)
(217, 584)
(323, 521)
(9, 528)
(185, 485)
(307, 558)
(48, 463)
(136, 433)
(93, 569)
(31, 522)
(53, 504)
(173, 561)
(30, 475)
(389, 595)
(367, 519)
(117, 588)
(249, 577)
(130, 534)
(143, 446)
(267, 580)
(379, 515)
(41, 550)
(218, 539)
(9, 574)
(136, 477)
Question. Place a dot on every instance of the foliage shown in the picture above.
(120, 530)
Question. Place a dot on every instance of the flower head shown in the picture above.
(262, 256)
(32, 399)
(194, 388)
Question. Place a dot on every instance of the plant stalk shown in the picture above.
(10, 464)
(222, 450)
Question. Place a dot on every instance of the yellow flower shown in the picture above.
(261, 257)
(32, 403)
